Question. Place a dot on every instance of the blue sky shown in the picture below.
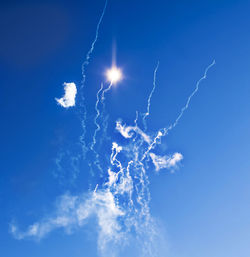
(200, 209)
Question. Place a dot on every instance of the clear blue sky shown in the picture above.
(204, 206)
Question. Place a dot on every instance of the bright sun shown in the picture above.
(114, 75)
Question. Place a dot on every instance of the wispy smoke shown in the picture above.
(72, 212)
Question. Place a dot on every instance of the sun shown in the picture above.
(114, 75)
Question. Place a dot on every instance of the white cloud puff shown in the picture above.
(162, 162)
(68, 100)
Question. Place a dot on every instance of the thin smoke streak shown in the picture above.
(148, 108)
(97, 162)
(84, 65)
(96, 117)
(86, 62)
(136, 118)
(190, 97)
(150, 96)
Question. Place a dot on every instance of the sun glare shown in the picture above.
(114, 75)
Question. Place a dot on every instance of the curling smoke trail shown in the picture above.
(105, 91)
(96, 117)
(98, 127)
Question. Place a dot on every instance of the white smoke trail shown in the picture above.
(96, 117)
(190, 97)
(150, 96)
(105, 91)
(84, 65)
(88, 56)
(103, 115)
(98, 126)
(136, 118)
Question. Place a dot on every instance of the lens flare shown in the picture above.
(114, 75)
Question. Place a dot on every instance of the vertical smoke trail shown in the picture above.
(139, 143)
(164, 131)
(136, 125)
(86, 62)
(84, 65)
(96, 117)
(104, 117)
(98, 127)
(150, 96)
(104, 125)
(136, 118)
(148, 107)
